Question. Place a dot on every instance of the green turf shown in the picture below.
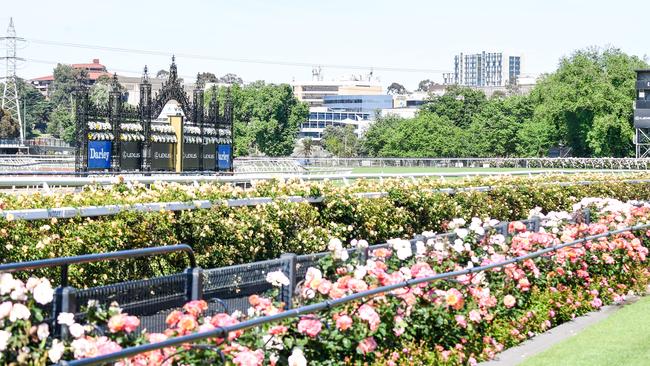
(621, 339)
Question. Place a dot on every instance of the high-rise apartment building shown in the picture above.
(484, 69)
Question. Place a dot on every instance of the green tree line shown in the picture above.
(585, 105)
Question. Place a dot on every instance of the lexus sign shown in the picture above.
(642, 118)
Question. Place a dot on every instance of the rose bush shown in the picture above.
(463, 321)
(224, 235)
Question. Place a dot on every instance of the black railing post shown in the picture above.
(65, 301)
(286, 293)
(537, 221)
(194, 283)
(587, 216)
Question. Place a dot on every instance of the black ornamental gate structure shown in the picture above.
(118, 137)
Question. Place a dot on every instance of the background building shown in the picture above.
(485, 69)
(313, 92)
(95, 70)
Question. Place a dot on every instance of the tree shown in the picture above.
(162, 74)
(341, 141)
(396, 89)
(588, 101)
(379, 133)
(459, 104)
(9, 127)
(62, 124)
(207, 77)
(66, 81)
(231, 79)
(307, 146)
(102, 87)
(34, 107)
(267, 117)
(426, 85)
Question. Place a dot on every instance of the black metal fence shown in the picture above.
(226, 289)
(221, 332)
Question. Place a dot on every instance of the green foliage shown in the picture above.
(9, 127)
(341, 141)
(34, 107)
(266, 117)
(396, 88)
(62, 124)
(231, 235)
(66, 79)
(586, 105)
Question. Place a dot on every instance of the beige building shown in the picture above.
(313, 92)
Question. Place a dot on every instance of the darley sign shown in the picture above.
(99, 154)
(223, 156)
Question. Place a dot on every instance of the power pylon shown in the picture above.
(10, 100)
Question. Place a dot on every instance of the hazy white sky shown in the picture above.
(406, 34)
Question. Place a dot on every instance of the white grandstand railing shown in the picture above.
(562, 163)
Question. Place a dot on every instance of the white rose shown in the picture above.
(19, 312)
(7, 283)
(479, 230)
(43, 331)
(65, 319)
(360, 272)
(19, 293)
(43, 292)
(334, 244)
(76, 330)
(277, 279)
(420, 248)
(458, 246)
(32, 282)
(362, 244)
(297, 358)
(4, 339)
(5, 309)
(404, 252)
(439, 246)
(342, 255)
(56, 352)
(462, 233)
(313, 274)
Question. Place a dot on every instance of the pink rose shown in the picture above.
(310, 327)
(475, 316)
(278, 329)
(131, 323)
(196, 307)
(249, 358)
(343, 323)
(368, 313)
(509, 301)
(367, 345)
(324, 287)
(462, 322)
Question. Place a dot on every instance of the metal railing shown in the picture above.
(67, 298)
(221, 332)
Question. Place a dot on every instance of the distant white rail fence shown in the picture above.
(525, 163)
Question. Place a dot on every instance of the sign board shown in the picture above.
(209, 157)
(131, 156)
(641, 118)
(191, 159)
(99, 154)
(162, 156)
(223, 156)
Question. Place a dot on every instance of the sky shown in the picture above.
(415, 39)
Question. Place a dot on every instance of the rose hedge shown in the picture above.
(457, 322)
(230, 235)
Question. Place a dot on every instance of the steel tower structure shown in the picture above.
(10, 100)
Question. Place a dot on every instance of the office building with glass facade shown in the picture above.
(484, 69)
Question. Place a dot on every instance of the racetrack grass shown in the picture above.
(621, 339)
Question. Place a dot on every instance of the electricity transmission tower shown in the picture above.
(10, 101)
